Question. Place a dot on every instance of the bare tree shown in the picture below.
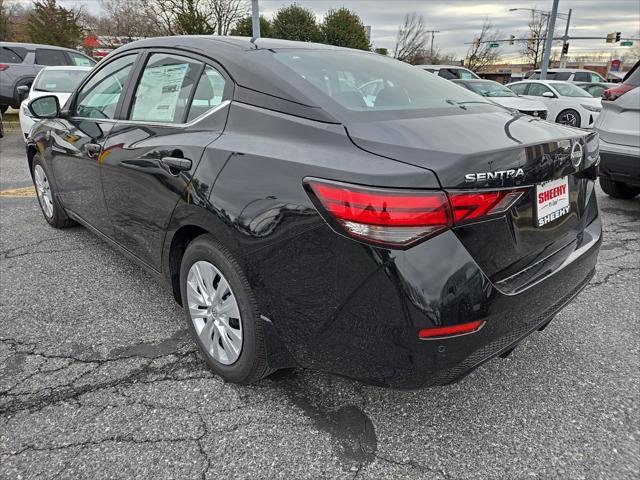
(480, 54)
(226, 13)
(411, 38)
(532, 47)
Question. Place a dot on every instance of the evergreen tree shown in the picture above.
(345, 29)
(244, 27)
(296, 23)
(51, 24)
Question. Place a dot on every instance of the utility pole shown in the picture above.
(551, 25)
(255, 19)
(433, 34)
(565, 39)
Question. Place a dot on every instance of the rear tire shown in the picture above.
(4, 108)
(209, 329)
(569, 117)
(618, 189)
(53, 212)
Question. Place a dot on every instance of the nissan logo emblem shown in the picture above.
(576, 154)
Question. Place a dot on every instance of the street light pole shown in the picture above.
(255, 19)
(565, 39)
(551, 25)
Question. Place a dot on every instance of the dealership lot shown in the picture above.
(98, 379)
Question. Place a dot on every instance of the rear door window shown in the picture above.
(448, 73)
(164, 90)
(49, 56)
(582, 77)
(465, 74)
(208, 95)
(596, 78)
(12, 54)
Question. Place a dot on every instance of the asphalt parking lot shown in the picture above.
(98, 379)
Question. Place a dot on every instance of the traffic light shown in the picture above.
(511, 39)
(617, 36)
(534, 39)
(476, 43)
(565, 48)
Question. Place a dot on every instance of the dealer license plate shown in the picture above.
(552, 201)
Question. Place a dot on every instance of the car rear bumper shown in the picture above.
(356, 311)
(620, 163)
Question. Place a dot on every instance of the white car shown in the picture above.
(567, 75)
(619, 128)
(567, 103)
(498, 93)
(59, 81)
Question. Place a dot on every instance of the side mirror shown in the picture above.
(23, 91)
(45, 107)
(548, 95)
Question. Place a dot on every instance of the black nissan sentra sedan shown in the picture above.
(322, 207)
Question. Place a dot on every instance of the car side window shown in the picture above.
(519, 88)
(164, 89)
(537, 89)
(80, 60)
(12, 54)
(595, 77)
(465, 75)
(582, 77)
(447, 73)
(49, 56)
(208, 94)
(98, 98)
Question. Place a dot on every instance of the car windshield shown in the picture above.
(59, 81)
(570, 90)
(491, 89)
(364, 82)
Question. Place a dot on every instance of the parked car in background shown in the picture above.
(58, 81)
(299, 220)
(449, 72)
(502, 95)
(595, 89)
(21, 62)
(567, 75)
(567, 103)
(619, 129)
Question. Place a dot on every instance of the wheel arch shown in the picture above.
(31, 152)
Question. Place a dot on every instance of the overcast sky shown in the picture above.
(460, 20)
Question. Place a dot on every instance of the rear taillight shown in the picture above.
(616, 92)
(397, 217)
(3, 67)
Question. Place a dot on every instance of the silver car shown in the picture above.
(619, 129)
(21, 62)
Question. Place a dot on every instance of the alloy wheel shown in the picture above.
(568, 118)
(44, 191)
(215, 313)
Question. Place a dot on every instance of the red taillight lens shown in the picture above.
(473, 205)
(386, 216)
(3, 67)
(616, 92)
(397, 217)
(451, 330)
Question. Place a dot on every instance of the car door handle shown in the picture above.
(93, 148)
(174, 163)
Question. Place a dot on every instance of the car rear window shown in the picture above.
(12, 54)
(49, 56)
(59, 81)
(348, 79)
(552, 76)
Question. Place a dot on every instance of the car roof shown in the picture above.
(570, 70)
(32, 46)
(474, 80)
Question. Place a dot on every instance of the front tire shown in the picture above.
(53, 212)
(569, 117)
(221, 312)
(618, 189)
